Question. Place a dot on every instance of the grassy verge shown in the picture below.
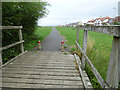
(98, 50)
(30, 42)
(39, 34)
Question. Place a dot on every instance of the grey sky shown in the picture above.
(67, 11)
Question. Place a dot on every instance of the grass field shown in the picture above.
(101, 47)
(40, 34)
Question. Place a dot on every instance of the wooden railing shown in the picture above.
(113, 73)
(21, 41)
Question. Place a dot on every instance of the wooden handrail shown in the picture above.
(11, 45)
(113, 73)
(111, 30)
(14, 44)
(96, 73)
(10, 27)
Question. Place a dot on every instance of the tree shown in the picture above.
(23, 14)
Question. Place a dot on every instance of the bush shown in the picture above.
(116, 23)
(23, 14)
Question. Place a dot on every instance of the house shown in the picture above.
(100, 21)
(91, 22)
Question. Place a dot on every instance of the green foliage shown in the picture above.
(72, 50)
(116, 23)
(104, 23)
(23, 14)
(39, 34)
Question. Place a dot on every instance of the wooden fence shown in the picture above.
(113, 73)
(21, 41)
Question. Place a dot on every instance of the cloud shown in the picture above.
(66, 11)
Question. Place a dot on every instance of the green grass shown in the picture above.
(100, 54)
(39, 34)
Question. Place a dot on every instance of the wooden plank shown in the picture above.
(96, 73)
(20, 39)
(33, 71)
(0, 58)
(119, 61)
(113, 72)
(85, 36)
(37, 67)
(11, 27)
(44, 73)
(47, 64)
(111, 30)
(45, 82)
(38, 71)
(45, 77)
(85, 81)
(13, 59)
(11, 45)
(38, 86)
(42, 66)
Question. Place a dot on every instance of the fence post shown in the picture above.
(77, 38)
(113, 74)
(20, 39)
(84, 48)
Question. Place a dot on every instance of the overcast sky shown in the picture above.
(66, 11)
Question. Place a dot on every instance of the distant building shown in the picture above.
(79, 23)
(92, 22)
(103, 21)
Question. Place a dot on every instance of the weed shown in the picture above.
(65, 53)
(90, 44)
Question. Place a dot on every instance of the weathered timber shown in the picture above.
(83, 74)
(20, 39)
(11, 27)
(96, 73)
(113, 74)
(84, 48)
(34, 75)
(11, 45)
(0, 59)
(13, 59)
(111, 30)
(14, 44)
(119, 61)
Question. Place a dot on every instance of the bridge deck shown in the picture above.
(37, 69)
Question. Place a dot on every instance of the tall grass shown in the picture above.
(39, 34)
(90, 44)
(98, 50)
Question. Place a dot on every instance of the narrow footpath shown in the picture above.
(52, 42)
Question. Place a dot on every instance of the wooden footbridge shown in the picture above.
(43, 69)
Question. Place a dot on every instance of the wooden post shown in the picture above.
(77, 38)
(119, 60)
(113, 74)
(0, 70)
(84, 48)
(20, 39)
